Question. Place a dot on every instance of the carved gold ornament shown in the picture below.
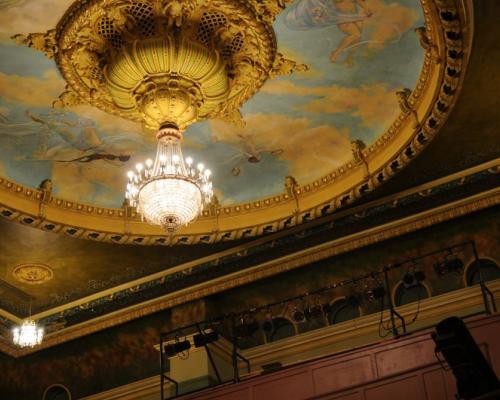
(160, 61)
(448, 35)
(167, 64)
(32, 274)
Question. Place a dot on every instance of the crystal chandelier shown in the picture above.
(167, 64)
(169, 191)
(28, 334)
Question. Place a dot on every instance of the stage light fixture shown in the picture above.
(173, 349)
(474, 376)
(451, 263)
(315, 311)
(413, 279)
(268, 326)
(298, 315)
(246, 329)
(202, 339)
(374, 293)
(454, 264)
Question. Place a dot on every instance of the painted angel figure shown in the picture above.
(63, 140)
(347, 15)
(79, 142)
(249, 152)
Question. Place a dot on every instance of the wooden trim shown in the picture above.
(330, 340)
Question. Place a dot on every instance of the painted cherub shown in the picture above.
(351, 12)
(347, 15)
(250, 152)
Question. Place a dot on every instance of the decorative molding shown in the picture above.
(449, 29)
(364, 330)
(32, 273)
(133, 391)
(325, 341)
(338, 246)
(448, 182)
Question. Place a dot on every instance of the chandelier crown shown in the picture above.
(157, 61)
(169, 191)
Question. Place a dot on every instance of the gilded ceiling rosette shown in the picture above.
(153, 61)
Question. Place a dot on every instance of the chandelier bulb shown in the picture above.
(169, 192)
(130, 175)
(28, 334)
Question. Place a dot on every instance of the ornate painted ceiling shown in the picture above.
(358, 54)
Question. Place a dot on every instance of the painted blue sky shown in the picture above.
(298, 125)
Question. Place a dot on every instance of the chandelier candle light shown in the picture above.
(169, 191)
(166, 64)
(28, 334)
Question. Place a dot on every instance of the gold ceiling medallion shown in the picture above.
(166, 64)
(447, 40)
(32, 274)
(161, 61)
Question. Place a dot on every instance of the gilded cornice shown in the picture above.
(295, 260)
(447, 39)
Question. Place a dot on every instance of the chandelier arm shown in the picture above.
(169, 191)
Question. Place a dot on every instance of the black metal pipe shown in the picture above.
(484, 289)
(234, 355)
(210, 358)
(340, 284)
(162, 369)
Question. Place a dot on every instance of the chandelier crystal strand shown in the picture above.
(169, 191)
(28, 334)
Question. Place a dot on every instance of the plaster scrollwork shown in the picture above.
(445, 34)
(93, 36)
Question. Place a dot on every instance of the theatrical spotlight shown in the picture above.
(202, 339)
(315, 311)
(375, 293)
(450, 264)
(413, 279)
(246, 329)
(298, 315)
(173, 349)
(474, 375)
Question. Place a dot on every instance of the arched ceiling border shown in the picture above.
(449, 27)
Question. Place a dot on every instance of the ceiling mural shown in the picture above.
(358, 54)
